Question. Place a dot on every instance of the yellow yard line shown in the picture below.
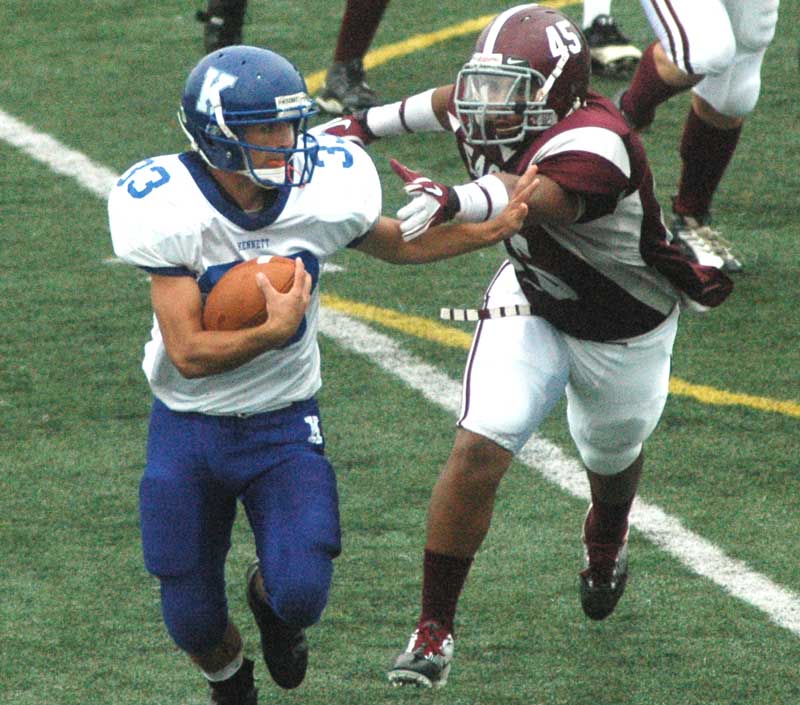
(435, 332)
(418, 42)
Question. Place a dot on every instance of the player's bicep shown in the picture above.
(178, 307)
(551, 203)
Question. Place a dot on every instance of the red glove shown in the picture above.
(431, 202)
(350, 127)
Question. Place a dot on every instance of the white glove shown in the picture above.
(431, 202)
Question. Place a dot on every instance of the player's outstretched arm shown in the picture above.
(386, 241)
(196, 352)
(423, 112)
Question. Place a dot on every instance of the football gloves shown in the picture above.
(431, 202)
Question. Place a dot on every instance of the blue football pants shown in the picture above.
(197, 468)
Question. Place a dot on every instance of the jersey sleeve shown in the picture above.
(150, 232)
(347, 190)
(592, 162)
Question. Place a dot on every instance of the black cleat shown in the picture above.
(243, 692)
(603, 581)
(612, 52)
(345, 90)
(285, 648)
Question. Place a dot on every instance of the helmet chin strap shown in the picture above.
(265, 178)
(544, 91)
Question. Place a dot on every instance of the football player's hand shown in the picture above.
(431, 202)
(285, 311)
(510, 221)
(350, 127)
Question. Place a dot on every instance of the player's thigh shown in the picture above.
(293, 510)
(735, 92)
(515, 373)
(186, 516)
(696, 35)
(616, 395)
(753, 23)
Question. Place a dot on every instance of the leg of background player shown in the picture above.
(345, 89)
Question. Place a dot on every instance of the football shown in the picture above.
(236, 302)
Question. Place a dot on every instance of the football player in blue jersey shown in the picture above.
(234, 415)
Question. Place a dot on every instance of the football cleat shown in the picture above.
(612, 52)
(345, 90)
(702, 243)
(223, 20)
(427, 658)
(603, 580)
(249, 696)
(285, 648)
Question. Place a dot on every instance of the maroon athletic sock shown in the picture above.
(443, 578)
(359, 25)
(705, 151)
(607, 523)
(646, 92)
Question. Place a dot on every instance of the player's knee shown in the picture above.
(301, 602)
(610, 449)
(477, 458)
(610, 461)
(732, 99)
(713, 58)
(196, 624)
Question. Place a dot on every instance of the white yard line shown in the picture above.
(696, 553)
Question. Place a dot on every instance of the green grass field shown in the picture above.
(79, 617)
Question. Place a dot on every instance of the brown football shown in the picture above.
(236, 302)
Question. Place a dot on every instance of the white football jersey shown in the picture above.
(168, 216)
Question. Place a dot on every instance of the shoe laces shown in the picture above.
(602, 561)
(430, 639)
(701, 234)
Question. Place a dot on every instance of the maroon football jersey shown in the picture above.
(613, 273)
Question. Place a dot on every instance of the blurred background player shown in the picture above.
(222, 20)
(612, 52)
(716, 48)
(586, 306)
(345, 89)
(235, 416)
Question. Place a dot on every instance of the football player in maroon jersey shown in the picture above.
(586, 304)
(715, 48)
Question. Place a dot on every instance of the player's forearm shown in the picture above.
(207, 353)
(450, 240)
(423, 112)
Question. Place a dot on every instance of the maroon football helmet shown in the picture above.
(531, 67)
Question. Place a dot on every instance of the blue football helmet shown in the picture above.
(239, 86)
